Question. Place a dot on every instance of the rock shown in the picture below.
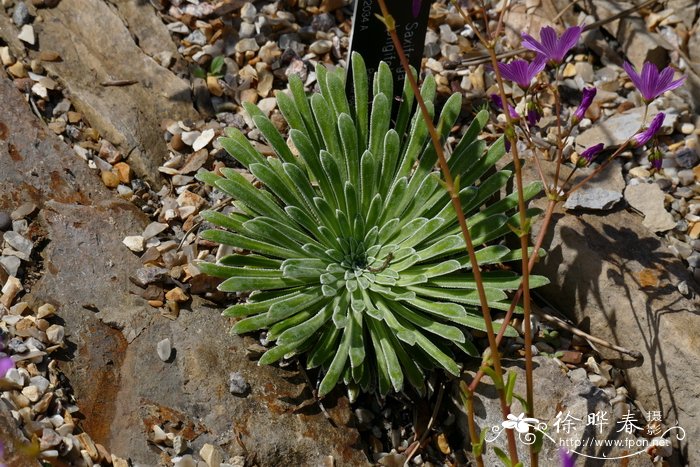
(323, 22)
(237, 385)
(110, 179)
(25, 210)
(189, 137)
(164, 349)
(202, 140)
(596, 264)
(18, 242)
(176, 295)
(6, 57)
(55, 334)
(686, 177)
(211, 455)
(17, 70)
(321, 47)
(601, 193)
(247, 45)
(96, 46)
(11, 264)
(687, 158)
(195, 161)
(153, 229)
(149, 275)
(248, 12)
(135, 243)
(649, 200)
(21, 14)
(26, 34)
(118, 380)
(123, 172)
(45, 311)
(639, 172)
(617, 129)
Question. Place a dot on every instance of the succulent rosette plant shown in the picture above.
(350, 251)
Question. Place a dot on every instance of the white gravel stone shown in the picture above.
(18, 242)
(27, 34)
(211, 455)
(135, 243)
(203, 139)
(189, 137)
(55, 334)
(164, 349)
(153, 229)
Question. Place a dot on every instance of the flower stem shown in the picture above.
(456, 203)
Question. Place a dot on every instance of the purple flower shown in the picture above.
(652, 83)
(643, 137)
(589, 154)
(6, 363)
(496, 99)
(567, 459)
(522, 72)
(551, 47)
(586, 99)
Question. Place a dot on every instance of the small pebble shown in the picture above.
(135, 243)
(687, 128)
(21, 14)
(211, 455)
(26, 34)
(164, 349)
(237, 385)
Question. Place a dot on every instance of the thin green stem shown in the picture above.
(523, 234)
(469, 402)
(456, 203)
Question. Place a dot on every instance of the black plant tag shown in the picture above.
(371, 39)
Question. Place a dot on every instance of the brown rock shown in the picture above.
(176, 143)
(74, 117)
(571, 356)
(49, 56)
(176, 295)
(214, 86)
(195, 161)
(123, 171)
(110, 179)
(17, 70)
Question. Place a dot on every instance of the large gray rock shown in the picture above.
(619, 128)
(603, 271)
(602, 193)
(648, 198)
(571, 394)
(96, 47)
(120, 383)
